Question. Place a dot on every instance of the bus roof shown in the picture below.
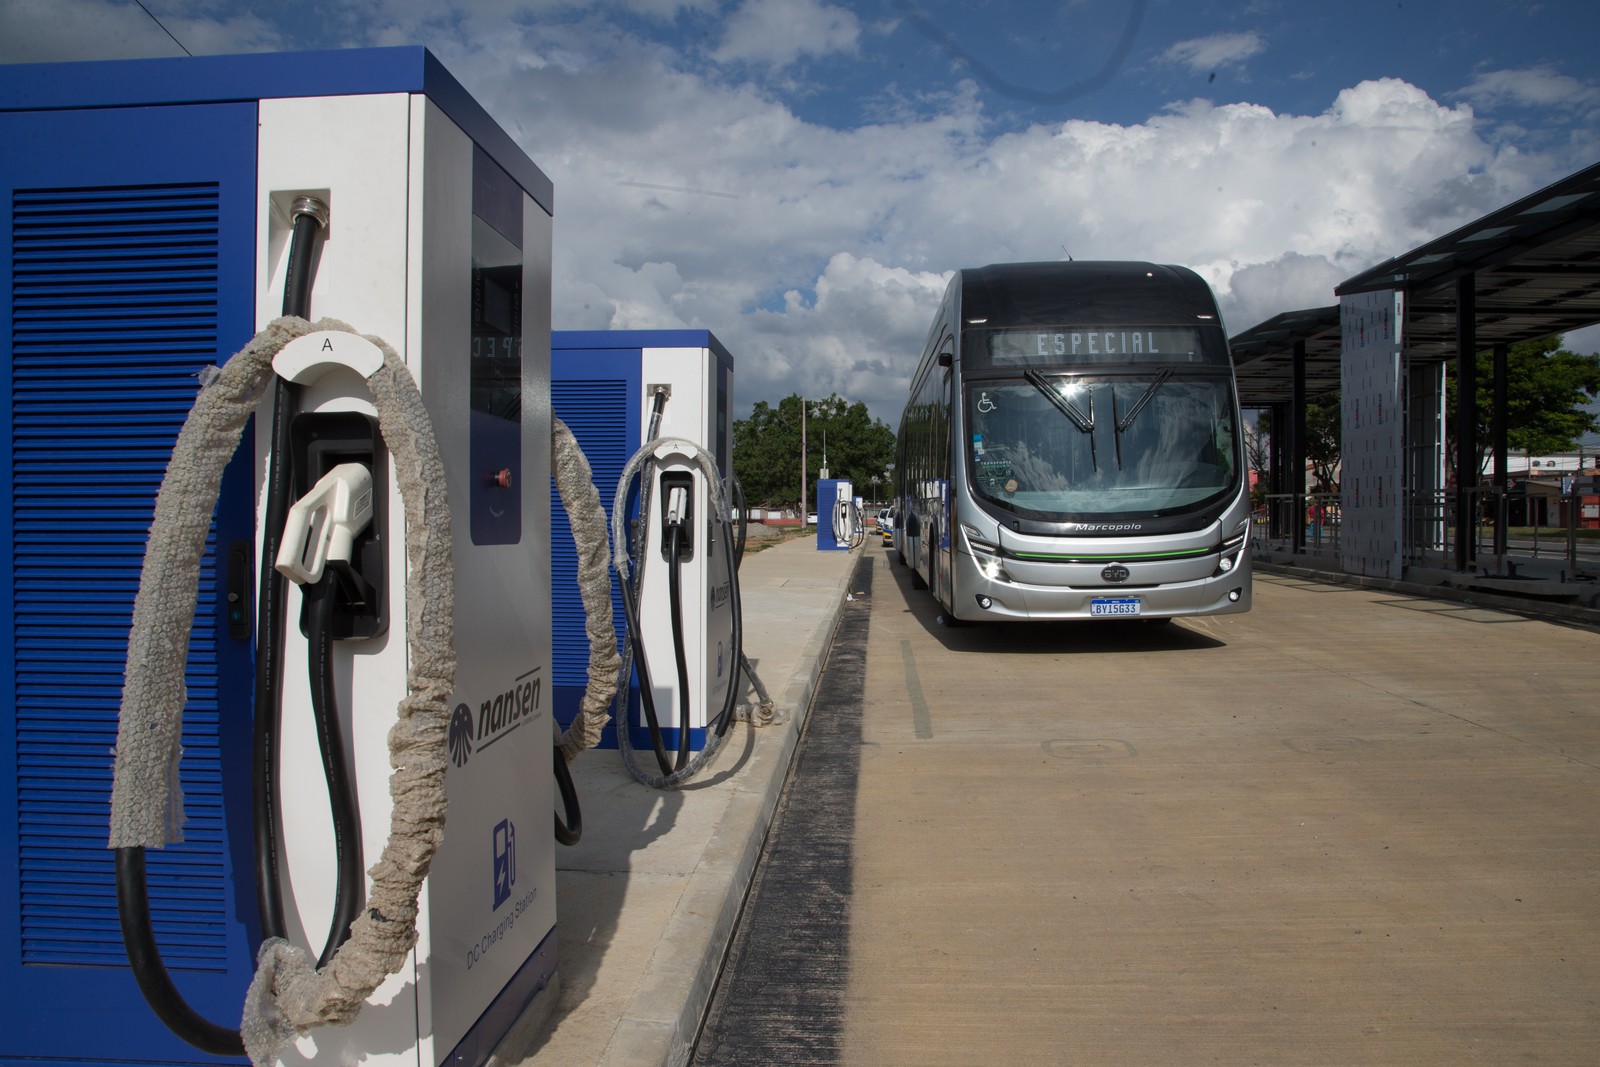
(1100, 291)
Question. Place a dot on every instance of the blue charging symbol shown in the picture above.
(505, 861)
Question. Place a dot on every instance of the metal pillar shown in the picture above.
(1466, 428)
(1277, 477)
(1297, 453)
(1498, 422)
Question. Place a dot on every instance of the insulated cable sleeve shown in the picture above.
(132, 895)
(144, 956)
(587, 517)
(350, 880)
(289, 996)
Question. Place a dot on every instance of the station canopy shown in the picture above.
(1263, 356)
(1535, 266)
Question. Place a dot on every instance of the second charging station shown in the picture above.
(610, 387)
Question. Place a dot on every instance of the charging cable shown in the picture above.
(629, 557)
(318, 540)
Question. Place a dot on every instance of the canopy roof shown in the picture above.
(1535, 266)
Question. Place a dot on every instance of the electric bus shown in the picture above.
(1071, 448)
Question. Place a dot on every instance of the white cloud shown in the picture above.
(822, 258)
(779, 32)
(47, 31)
(1291, 282)
(1203, 54)
(1541, 87)
(1586, 340)
(852, 337)
(817, 254)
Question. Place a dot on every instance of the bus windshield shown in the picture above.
(1063, 447)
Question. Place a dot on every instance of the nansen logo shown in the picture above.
(496, 717)
(1107, 527)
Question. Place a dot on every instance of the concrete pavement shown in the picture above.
(1349, 827)
(648, 900)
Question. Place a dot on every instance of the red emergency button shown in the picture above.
(503, 478)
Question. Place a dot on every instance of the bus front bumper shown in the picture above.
(999, 600)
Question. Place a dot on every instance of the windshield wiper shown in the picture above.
(1083, 422)
(1144, 398)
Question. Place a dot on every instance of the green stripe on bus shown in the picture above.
(1057, 558)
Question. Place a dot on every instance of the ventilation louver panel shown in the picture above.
(596, 412)
(115, 296)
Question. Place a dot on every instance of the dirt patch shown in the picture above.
(759, 535)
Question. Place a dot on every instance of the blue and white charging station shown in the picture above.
(839, 524)
(146, 210)
(604, 386)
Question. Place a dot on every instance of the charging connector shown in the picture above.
(677, 514)
(323, 525)
(677, 505)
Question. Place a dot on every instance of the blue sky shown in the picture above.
(801, 176)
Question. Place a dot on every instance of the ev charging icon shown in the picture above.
(505, 861)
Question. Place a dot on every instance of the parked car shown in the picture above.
(886, 525)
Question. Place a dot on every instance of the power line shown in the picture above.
(928, 28)
(164, 29)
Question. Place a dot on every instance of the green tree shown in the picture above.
(766, 449)
(1324, 442)
(1547, 388)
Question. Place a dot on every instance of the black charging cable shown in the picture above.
(133, 895)
(350, 884)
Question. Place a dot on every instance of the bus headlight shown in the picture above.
(1232, 549)
(985, 556)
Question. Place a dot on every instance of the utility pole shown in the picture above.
(803, 461)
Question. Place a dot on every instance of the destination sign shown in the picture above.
(1168, 344)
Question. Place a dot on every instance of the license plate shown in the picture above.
(1114, 605)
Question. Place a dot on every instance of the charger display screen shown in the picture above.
(496, 324)
(496, 387)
